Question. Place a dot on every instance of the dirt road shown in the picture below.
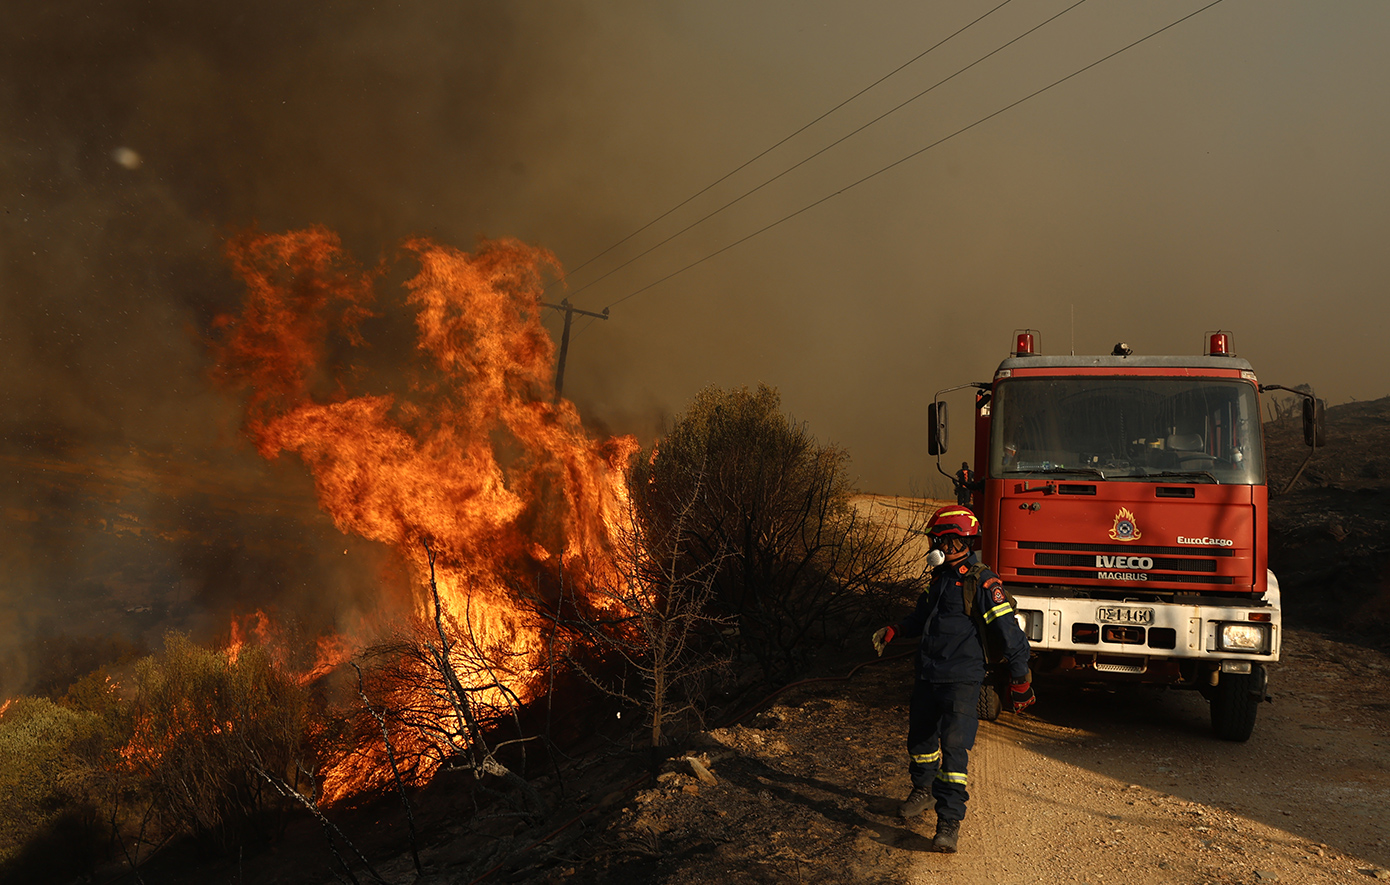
(1095, 788)
(1132, 788)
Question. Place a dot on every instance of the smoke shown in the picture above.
(134, 138)
(1226, 174)
(136, 135)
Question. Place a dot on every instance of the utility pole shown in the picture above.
(570, 310)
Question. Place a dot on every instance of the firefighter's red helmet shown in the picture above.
(959, 522)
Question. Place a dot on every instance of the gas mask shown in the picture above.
(948, 547)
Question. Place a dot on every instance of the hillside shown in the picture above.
(1329, 534)
(1089, 787)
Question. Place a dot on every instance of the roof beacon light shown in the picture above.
(1026, 342)
(1219, 344)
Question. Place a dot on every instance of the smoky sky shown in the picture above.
(137, 135)
(1228, 173)
(1224, 174)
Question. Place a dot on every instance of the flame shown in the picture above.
(260, 628)
(332, 652)
(257, 625)
(471, 460)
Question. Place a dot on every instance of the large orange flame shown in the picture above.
(470, 456)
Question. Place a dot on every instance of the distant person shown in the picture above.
(965, 484)
(964, 605)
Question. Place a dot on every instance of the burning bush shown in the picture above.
(193, 741)
(754, 492)
(457, 446)
(208, 729)
(440, 694)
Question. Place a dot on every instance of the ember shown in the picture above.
(472, 470)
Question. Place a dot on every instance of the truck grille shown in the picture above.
(1155, 577)
(1171, 565)
(1125, 549)
(1083, 561)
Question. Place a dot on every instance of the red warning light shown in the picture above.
(1025, 344)
(1220, 344)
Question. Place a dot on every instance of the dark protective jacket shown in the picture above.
(952, 649)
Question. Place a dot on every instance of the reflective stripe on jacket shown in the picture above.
(952, 648)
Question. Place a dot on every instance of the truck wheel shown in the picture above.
(989, 705)
(1234, 701)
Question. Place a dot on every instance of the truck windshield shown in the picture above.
(1135, 429)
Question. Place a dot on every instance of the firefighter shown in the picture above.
(950, 667)
(964, 481)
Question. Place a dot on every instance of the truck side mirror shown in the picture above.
(1314, 430)
(936, 430)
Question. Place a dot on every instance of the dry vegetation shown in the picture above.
(798, 564)
(194, 759)
(1330, 533)
(745, 557)
(184, 750)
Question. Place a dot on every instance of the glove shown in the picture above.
(1022, 696)
(882, 637)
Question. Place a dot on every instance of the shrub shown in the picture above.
(207, 727)
(46, 777)
(747, 488)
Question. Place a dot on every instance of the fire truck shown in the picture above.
(1123, 500)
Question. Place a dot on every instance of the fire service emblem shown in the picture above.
(1125, 528)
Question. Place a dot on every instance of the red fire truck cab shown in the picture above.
(1122, 499)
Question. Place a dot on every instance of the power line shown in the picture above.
(582, 329)
(569, 310)
(838, 141)
(786, 139)
(915, 153)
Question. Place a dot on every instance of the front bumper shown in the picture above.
(1140, 631)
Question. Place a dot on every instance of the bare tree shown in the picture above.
(442, 698)
(395, 770)
(1286, 407)
(656, 617)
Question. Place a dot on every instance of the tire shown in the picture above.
(989, 704)
(1234, 701)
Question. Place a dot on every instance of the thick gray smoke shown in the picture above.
(1226, 174)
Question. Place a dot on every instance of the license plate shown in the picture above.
(1114, 614)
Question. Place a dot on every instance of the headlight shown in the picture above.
(1031, 623)
(1251, 638)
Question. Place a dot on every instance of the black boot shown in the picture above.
(947, 834)
(916, 802)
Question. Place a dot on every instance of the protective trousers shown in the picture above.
(941, 727)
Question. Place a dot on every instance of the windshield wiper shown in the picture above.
(1089, 471)
(1182, 474)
